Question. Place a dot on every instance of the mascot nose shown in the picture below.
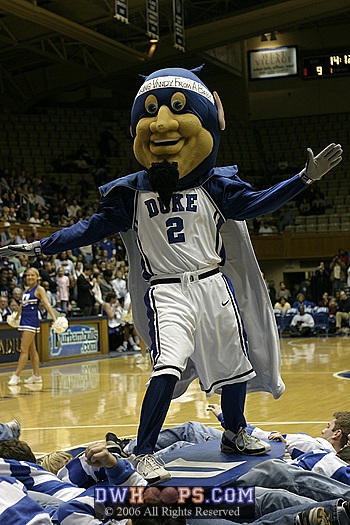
(165, 120)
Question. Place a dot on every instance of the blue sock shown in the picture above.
(232, 405)
(154, 410)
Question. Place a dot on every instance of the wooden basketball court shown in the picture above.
(79, 402)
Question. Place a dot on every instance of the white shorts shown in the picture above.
(198, 319)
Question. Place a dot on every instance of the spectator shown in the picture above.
(13, 306)
(325, 300)
(318, 204)
(73, 208)
(106, 283)
(272, 291)
(305, 289)
(115, 322)
(97, 293)
(21, 237)
(343, 312)
(282, 304)
(4, 308)
(6, 236)
(301, 301)
(34, 235)
(343, 256)
(285, 218)
(35, 218)
(62, 280)
(256, 225)
(337, 274)
(4, 291)
(17, 294)
(48, 274)
(85, 299)
(119, 284)
(66, 263)
(302, 323)
(305, 207)
(320, 282)
(50, 297)
(265, 229)
(283, 291)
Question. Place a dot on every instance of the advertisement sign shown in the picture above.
(10, 342)
(273, 63)
(78, 340)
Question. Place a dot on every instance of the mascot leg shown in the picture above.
(235, 439)
(154, 410)
(232, 405)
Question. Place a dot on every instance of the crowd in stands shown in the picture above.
(38, 200)
(327, 292)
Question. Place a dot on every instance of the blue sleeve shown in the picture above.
(115, 213)
(237, 200)
(222, 421)
(78, 472)
(122, 472)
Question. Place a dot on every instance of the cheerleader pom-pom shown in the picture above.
(60, 325)
(12, 321)
(127, 317)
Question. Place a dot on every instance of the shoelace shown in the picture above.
(246, 438)
(147, 462)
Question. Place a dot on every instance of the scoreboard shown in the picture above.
(331, 65)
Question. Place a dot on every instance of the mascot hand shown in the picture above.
(31, 249)
(317, 166)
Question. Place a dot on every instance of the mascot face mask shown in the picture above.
(176, 118)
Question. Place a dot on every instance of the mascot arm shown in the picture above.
(241, 204)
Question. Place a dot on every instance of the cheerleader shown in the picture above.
(29, 325)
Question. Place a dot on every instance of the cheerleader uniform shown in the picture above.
(30, 305)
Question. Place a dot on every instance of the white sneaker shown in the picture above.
(14, 380)
(243, 443)
(34, 379)
(136, 348)
(149, 468)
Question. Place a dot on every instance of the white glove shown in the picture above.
(12, 320)
(317, 166)
(33, 249)
(60, 325)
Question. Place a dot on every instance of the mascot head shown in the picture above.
(176, 122)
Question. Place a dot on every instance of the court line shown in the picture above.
(254, 423)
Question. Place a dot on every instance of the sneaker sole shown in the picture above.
(159, 479)
(229, 450)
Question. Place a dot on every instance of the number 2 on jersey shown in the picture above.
(175, 229)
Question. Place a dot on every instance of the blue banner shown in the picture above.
(121, 10)
(152, 19)
(77, 340)
(179, 25)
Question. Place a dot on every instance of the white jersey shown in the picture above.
(181, 238)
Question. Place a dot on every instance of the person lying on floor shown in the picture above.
(77, 504)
